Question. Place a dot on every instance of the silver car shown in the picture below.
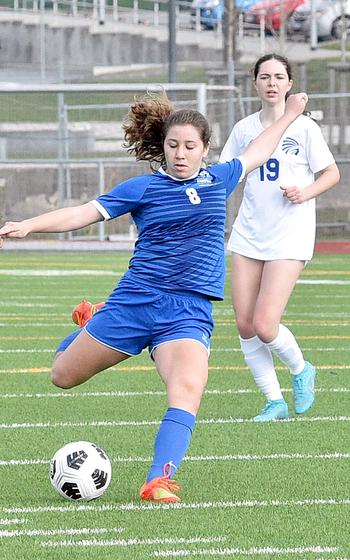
(328, 18)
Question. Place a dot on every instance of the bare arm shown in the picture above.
(261, 148)
(64, 219)
(327, 179)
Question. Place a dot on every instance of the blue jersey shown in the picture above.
(181, 227)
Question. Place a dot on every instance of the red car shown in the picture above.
(272, 11)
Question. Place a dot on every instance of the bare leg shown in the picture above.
(83, 358)
(260, 293)
(277, 283)
(183, 366)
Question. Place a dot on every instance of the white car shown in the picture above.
(328, 18)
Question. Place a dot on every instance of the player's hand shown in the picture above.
(294, 194)
(296, 103)
(13, 229)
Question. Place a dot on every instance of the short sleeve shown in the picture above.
(317, 151)
(123, 198)
(233, 146)
(231, 172)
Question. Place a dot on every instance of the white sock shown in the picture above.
(259, 360)
(287, 349)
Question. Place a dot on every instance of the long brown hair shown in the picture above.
(148, 121)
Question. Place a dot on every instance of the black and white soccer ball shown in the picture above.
(80, 471)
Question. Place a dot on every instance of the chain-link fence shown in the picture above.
(62, 145)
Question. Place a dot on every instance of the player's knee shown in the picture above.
(245, 327)
(264, 328)
(192, 390)
(60, 377)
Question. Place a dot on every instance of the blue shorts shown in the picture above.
(136, 317)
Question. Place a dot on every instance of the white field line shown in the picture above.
(54, 272)
(38, 337)
(36, 315)
(26, 305)
(19, 322)
(198, 458)
(226, 309)
(55, 532)
(94, 272)
(325, 282)
(152, 506)
(305, 349)
(4, 522)
(56, 310)
(310, 337)
(322, 314)
(226, 316)
(253, 551)
(231, 350)
(133, 542)
(125, 394)
(131, 368)
(14, 298)
(18, 294)
(299, 322)
(27, 351)
(146, 423)
(48, 324)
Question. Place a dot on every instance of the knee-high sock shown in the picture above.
(259, 360)
(287, 349)
(68, 340)
(172, 441)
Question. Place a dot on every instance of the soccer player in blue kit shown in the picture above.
(164, 301)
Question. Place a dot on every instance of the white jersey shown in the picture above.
(268, 226)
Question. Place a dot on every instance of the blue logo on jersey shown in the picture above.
(204, 178)
(290, 146)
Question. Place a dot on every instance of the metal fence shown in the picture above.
(189, 14)
(150, 12)
(63, 144)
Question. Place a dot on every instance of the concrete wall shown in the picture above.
(42, 138)
(86, 45)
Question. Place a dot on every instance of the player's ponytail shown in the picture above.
(144, 127)
(148, 121)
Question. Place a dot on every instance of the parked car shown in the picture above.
(271, 11)
(212, 11)
(328, 19)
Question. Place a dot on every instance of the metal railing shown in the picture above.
(71, 149)
(152, 12)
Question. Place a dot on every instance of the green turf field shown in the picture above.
(248, 490)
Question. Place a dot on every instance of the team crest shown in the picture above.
(290, 146)
(204, 178)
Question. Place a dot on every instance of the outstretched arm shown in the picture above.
(64, 219)
(260, 149)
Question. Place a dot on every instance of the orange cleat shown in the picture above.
(83, 312)
(161, 489)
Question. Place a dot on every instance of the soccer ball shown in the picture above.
(80, 471)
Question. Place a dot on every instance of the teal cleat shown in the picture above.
(304, 388)
(273, 410)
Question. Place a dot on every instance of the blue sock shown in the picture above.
(68, 340)
(172, 441)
